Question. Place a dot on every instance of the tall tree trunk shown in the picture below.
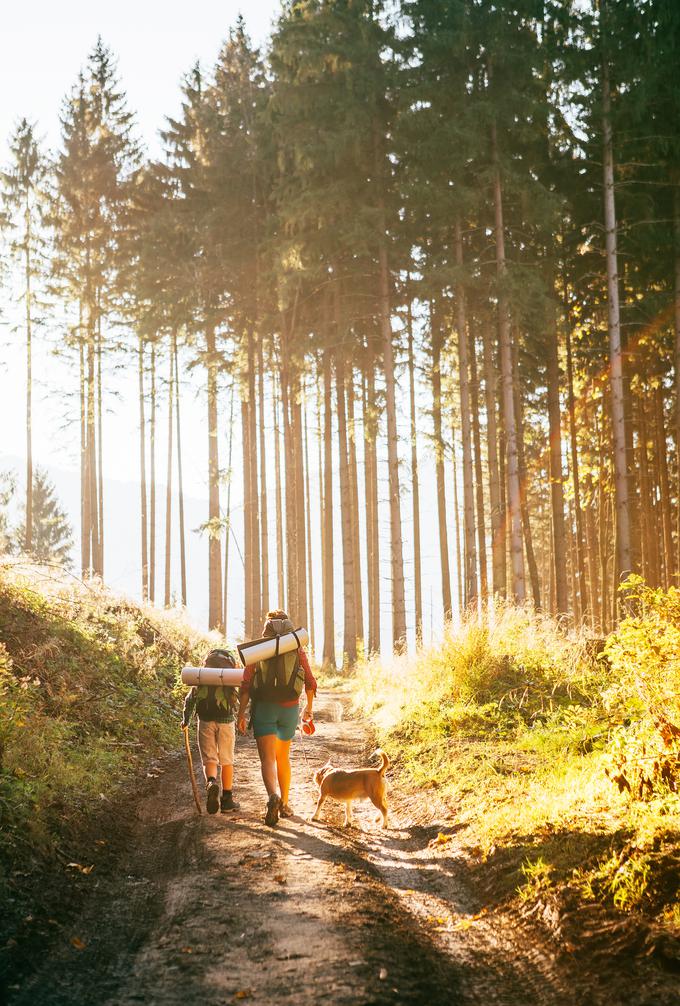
(84, 480)
(100, 449)
(180, 483)
(497, 510)
(456, 522)
(439, 464)
(142, 473)
(372, 523)
(92, 451)
(350, 625)
(479, 478)
(249, 615)
(327, 550)
(299, 514)
(581, 597)
(254, 495)
(280, 576)
(664, 483)
(676, 320)
(227, 535)
(308, 516)
(415, 486)
(214, 540)
(396, 542)
(526, 522)
(264, 512)
(470, 550)
(168, 482)
(623, 522)
(152, 487)
(28, 532)
(510, 424)
(354, 505)
(559, 546)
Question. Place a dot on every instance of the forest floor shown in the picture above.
(161, 906)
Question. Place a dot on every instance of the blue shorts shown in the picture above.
(273, 718)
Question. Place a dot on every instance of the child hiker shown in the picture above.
(214, 706)
(274, 688)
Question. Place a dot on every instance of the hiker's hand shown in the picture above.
(307, 714)
(241, 724)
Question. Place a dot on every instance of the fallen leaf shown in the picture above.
(382, 974)
(78, 943)
(80, 868)
(187, 950)
(280, 879)
(243, 994)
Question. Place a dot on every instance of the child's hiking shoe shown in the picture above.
(285, 810)
(273, 806)
(212, 796)
(227, 802)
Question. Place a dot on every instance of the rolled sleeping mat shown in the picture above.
(226, 676)
(272, 646)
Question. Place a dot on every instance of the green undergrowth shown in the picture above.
(88, 694)
(557, 754)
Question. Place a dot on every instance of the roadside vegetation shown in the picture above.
(87, 698)
(558, 755)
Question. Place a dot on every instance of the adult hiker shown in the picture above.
(273, 688)
(214, 706)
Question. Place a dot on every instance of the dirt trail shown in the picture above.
(220, 909)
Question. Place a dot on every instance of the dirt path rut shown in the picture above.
(220, 909)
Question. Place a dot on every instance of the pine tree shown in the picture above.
(23, 192)
(52, 539)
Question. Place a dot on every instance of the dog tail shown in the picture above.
(385, 761)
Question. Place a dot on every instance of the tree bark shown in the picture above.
(354, 505)
(254, 496)
(470, 549)
(168, 486)
(676, 320)
(372, 523)
(308, 536)
(581, 595)
(456, 522)
(264, 513)
(415, 486)
(214, 540)
(498, 571)
(28, 534)
(436, 338)
(526, 521)
(327, 550)
(227, 536)
(152, 477)
(664, 484)
(100, 449)
(280, 575)
(249, 616)
(142, 472)
(479, 478)
(350, 625)
(180, 483)
(510, 424)
(559, 547)
(623, 522)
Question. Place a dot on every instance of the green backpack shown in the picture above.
(281, 678)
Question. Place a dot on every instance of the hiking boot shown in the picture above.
(285, 810)
(227, 802)
(273, 805)
(212, 796)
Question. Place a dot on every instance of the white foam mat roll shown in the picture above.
(212, 676)
(265, 648)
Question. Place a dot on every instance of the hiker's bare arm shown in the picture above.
(307, 713)
(241, 714)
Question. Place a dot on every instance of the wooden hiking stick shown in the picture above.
(185, 731)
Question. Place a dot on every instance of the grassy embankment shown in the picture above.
(560, 764)
(88, 695)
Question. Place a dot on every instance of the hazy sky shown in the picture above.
(43, 44)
